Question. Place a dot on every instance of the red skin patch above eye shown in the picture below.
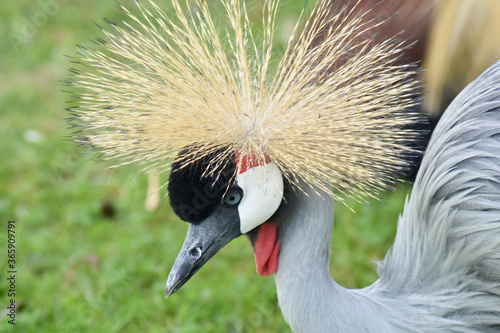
(246, 162)
(266, 249)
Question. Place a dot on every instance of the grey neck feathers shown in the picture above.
(309, 298)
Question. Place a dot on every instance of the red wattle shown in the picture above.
(266, 249)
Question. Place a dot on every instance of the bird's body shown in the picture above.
(443, 272)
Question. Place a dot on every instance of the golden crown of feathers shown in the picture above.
(333, 111)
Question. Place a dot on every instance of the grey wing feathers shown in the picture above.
(448, 239)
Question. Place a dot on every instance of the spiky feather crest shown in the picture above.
(332, 111)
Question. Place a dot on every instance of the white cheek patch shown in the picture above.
(262, 194)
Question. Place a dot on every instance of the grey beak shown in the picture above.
(202, 242)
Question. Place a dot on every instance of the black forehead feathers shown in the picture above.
(195, 190)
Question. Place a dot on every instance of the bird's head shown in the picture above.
(239, 199)
(331, 111)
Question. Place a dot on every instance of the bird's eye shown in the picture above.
(233, 197)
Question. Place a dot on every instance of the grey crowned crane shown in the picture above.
(441, 275)
(258, 144)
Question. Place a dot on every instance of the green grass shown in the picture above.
(80, 271)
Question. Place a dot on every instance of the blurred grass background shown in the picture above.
(90, 258)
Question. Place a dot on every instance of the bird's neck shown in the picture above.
(310, 300)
